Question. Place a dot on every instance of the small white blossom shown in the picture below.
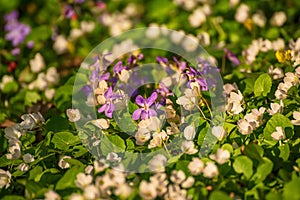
(23, 167)
(189, 182)
(210, 170)
(5, 179)
(234, 103)
(157, 164)
(189, 132)
(73, 115)
(91, 192)
(83, 180)
(37, 64)
(296, 120)
(190, 43)
(279, 134)
(147, 190)
(275, 108)
(52, 195)
(276, 73)
(278, 18)
(28, 158)
(60, 44)
(101, 123)
(218, 132)
(245, 127)
(242, 13)
(197, 18)
(177, 176)
(221, 156)
(113, 157)
(196, 166)
(64, 164)
(188, 147)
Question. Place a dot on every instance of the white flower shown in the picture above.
(52, 76)
(49, 93)
(221, 156)
(113, 157)
(233, 3)
(242, 13)
(60, 44)
(245, 127)
(190, 43)
(177, 36)
(197, 18)
(5, 178)
(234, 103)
(83, 180)
(64, 164)
(275, 108)
(73, 115)
(41, 82)
(218, 132)
(12, 133)
(142, 136)
(75, 33)
(188, 147)
(189, 182)
(259, 19)
(101, 123)
(124, 75)
(147, 190)
(297, 73)
(278, 44)
(196, 166)
(153, 31)
(75, 196)
(28, 158)
(37, 64)
(177, 176)
(157, 164)
(291, 78)
(276, 73)
(279, 134)
(210, 170)
(204, 38)
(52, 195)
(278, 18)
(23, 167)
(189, 100)
(123, 190)
(91, 192)
(255, 117)
(88, 169)
(296, 116)
(87, 26)
(157, 140)
(189, 132)
(100, 165)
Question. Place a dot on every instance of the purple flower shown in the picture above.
(145, 111)
(230, 55)
(118, 67)
(16, 31)
(196, 76)
(87, 89)
(69, 12)
(15, 51)
(30, 44)
(108, 107)
(132, 60)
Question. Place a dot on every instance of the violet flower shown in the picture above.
(230, 55)
(16, 31)
(108, 107)
(145, 111)
(195, 76)
(132, 60)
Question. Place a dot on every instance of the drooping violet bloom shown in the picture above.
(69, 12)
(181, 65)
(162, 60)
(132, 60)
(163, 90)
(195, 76)
(16, 31)
(15, 51)
(145, 112)
(87, 89)
(108, 107)
(230, 55)
(30, 44)
(118, 67)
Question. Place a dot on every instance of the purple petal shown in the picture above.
(108, 93)
(140, 100)
(137, 114)
(151, 99)
(102, 108)
(152, 112)
(109, 110)
(145, 115)
(104, 76)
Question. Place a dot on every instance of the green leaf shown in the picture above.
(254, 151)
(31, 97)
(243, 164)
(263, 170)
(68, 179)
(35, 172)
(64, 140)
(13, 197)
(278, 120)
(217, 195)
(183, 165)
(57, 123)
(284, 152)
(291, 190)
(10, 87)
(262, 85)
(117, 140)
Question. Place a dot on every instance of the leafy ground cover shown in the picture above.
(199, 100)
